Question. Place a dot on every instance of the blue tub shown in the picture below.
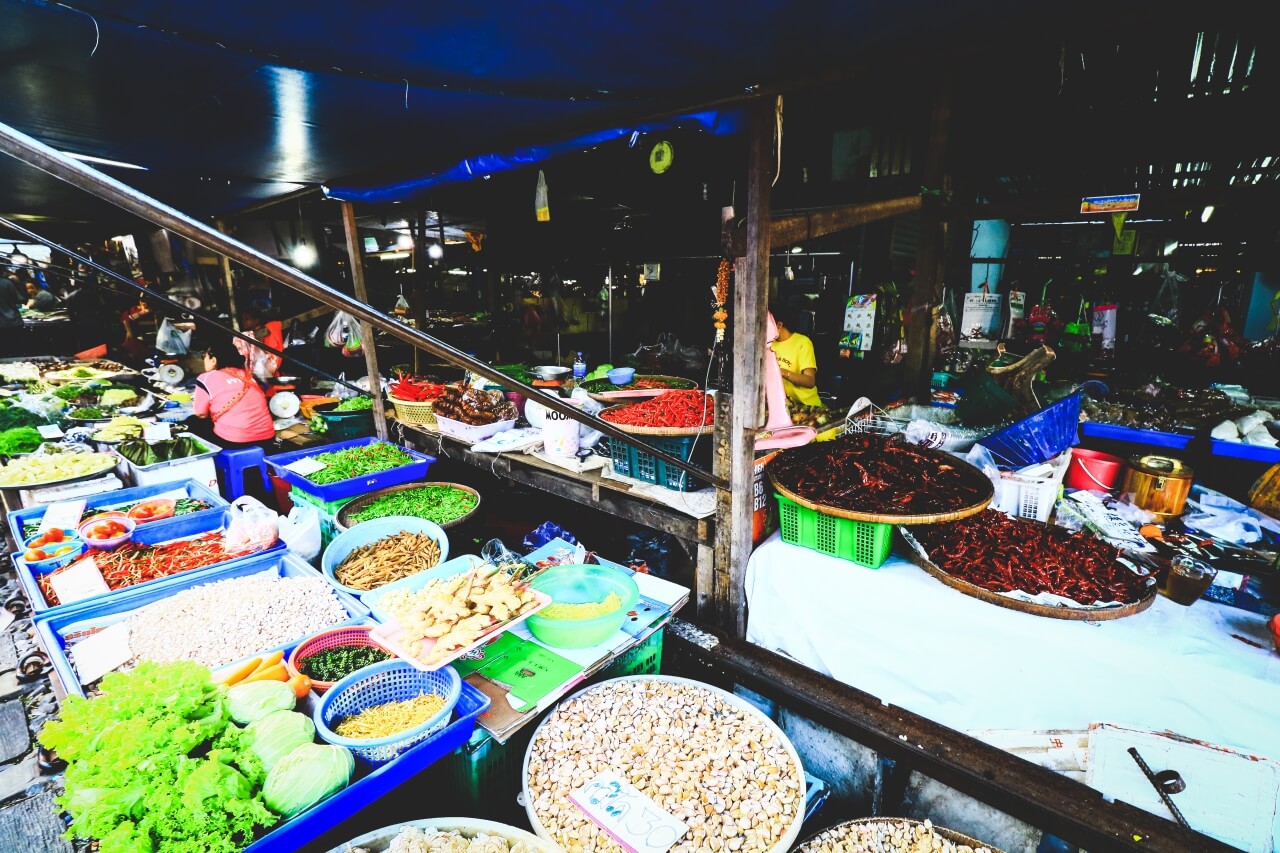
(1154, 438)
(125, 497)
(53, 625)
(371, 531)
(181, 527)
(416, 470)
(367, 790)
(1240, 450)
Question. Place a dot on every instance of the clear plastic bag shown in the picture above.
(171, 339)
(300, 530)
(251, 527)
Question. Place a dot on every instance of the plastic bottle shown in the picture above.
(579, 368)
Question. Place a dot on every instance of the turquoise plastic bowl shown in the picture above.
(371, 531)
(580, 584)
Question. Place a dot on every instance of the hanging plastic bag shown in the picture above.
(541, 205)
(171, 339)
(344, 333)
(342, 390)
(300, 530)
(251, 527)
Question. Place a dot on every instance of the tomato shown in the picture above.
(65, 549)
(35, 555)
(143, 513)
(55, 535)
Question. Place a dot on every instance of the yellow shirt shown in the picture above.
(796, 355)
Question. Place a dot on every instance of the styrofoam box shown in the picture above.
(199, 468)
(467, 432)
(67, 491)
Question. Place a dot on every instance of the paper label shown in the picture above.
(50, 431)
(306, 465)
(6, 618)
(78, 581)
(64, 515)
(157, 432)
(100, 653)
(632, 819)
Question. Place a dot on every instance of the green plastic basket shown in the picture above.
(865, 543)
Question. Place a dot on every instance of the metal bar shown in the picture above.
(293, 195)
(160, 297)
(1031, 793)
(355, 261)
(22, 147)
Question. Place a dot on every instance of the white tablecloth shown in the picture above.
(901, 635)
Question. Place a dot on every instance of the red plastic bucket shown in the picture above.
(1093, 469)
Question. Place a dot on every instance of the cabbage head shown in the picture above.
(306, 776)
(253, 701)
(277, 734)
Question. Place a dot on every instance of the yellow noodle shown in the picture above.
(586, 610)
(390, 718)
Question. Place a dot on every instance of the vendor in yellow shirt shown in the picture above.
(794, 352)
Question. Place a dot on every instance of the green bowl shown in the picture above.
(580, 584)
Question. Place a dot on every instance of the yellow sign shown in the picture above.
(1126, 243)
(1117, 222)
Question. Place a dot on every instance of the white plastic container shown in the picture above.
(1033, 492)
(466, 432)
(199, 468)
(560, 433)
(82, 489)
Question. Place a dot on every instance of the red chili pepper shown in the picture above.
(673, 410)
(132, 564)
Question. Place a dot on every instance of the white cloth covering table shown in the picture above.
(906, 638)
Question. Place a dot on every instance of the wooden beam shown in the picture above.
(307, 315)
(806, 226)
(229, 281)
(740, 414)
(356, 259)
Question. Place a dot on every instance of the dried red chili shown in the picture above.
(132, 564)
(1002, 554)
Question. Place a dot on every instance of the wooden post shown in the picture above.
(926, 289)
(740, 414)
(355, 256)
(229, 281)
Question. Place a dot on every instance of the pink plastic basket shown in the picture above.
(352, 635)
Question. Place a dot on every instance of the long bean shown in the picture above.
(440, 504)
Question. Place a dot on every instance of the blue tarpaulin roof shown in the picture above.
(233, 101)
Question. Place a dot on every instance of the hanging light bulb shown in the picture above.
(304, 254)
(435, 251)
(1206, 213)
(404, 241)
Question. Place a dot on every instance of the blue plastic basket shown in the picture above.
(388, 681)
(124, 497)
(416, 470)
(1037, 438)
(370, 531)
(366, 792)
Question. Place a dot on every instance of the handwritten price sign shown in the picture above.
(632, 819)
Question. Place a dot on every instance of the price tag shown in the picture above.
(100, 653)
(632, 819)
(305, 466)
(78, 581)
(64, 515)
(50, 431)
(157, 432)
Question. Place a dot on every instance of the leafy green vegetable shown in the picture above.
(141, 452)
(86, 413)
(12, 417)
(19, 440)
(138, 775)
(277, 734)
(354, 404)
(440, 504)
(253, 701)
(68, 392)
(358, 462)
(306, 776)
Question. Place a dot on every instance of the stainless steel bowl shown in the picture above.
(550, 372)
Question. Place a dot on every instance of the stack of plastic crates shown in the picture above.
(630, 461)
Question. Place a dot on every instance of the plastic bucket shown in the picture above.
(560, 433)
(1093, 469)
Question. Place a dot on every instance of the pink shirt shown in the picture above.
(247, 420)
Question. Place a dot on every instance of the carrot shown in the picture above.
(301, 685)
(238, 674)
(277, 672)
(270, 660)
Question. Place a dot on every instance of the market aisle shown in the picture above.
(902, 636)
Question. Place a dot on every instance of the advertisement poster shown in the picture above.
(980, 320)
(859, 326)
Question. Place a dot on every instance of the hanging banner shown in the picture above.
(1109, 203)
(1125, 243)
(1117, 222)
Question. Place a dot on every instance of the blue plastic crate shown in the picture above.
(417, 470)
(1252, 452)
(125, 497)
(1154, 438)
(54, 625)
(315, 821)
(1039, 437)
(447, 569)
(181, 527)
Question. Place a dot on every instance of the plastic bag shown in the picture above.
(341, 390)
(172, 340)
(300, 530)
(251, 527)
(344, 333)
(544, 533)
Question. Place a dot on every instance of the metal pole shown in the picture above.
(609, 296)
(230, 282)
(355, 259)
(22, 147)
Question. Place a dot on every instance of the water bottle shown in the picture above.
(579, 368)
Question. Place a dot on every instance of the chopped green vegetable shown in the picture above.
(12, 417)
(86, 413)
(19, 440)
(358, 462)
(440, 504)
(354, 404)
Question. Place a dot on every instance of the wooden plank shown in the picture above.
(355, 256)
(15, 738)
(806, 226)
(740, 414)
(229, 281)
(33, 826)
(307, 315)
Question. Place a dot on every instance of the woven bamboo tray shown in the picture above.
(672, 432)
(986, 490)
(1083, 613)
(623, 392)
(949, 834)
(343, 518)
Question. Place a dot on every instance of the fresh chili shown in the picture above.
(673, 410)
(132, 564)
(358, 462)
(413, 390)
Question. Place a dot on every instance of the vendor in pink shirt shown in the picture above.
(227, 394)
